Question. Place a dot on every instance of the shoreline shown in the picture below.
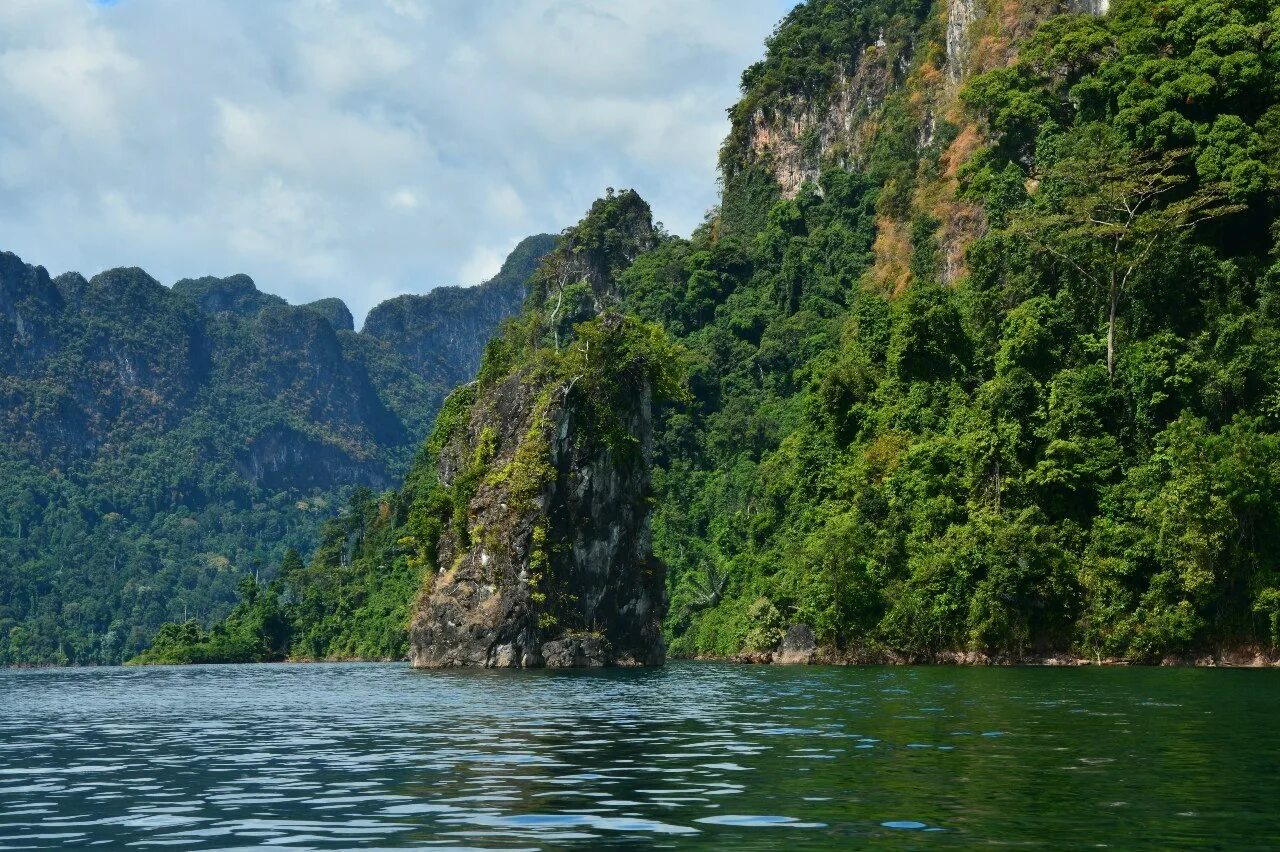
(1246, 658)
(132, 665)
(1249, 658)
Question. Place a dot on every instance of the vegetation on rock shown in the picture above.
(478, 510)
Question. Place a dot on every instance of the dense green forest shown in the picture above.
(1070, 446)
(351, 602)
(159, 445)
(1002, 379)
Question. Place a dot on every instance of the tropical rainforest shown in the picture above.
(159, 445)
(978, 353)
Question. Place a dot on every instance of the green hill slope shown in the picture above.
(157, 444)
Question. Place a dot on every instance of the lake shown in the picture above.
(696, 755)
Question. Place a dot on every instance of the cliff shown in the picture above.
(884, 100)
(797, 118)
(446, 329)
(544, 555)
(933, 414)
(554, 566)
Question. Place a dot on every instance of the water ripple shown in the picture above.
(693, 756)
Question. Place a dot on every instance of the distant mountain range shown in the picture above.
(157, 443)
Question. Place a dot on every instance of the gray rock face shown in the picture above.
(542, 485)
(576, 652)
(279, 458)
(798, 646)
(960, 17)
(556, 569)
(335, 312)
(797, 144)
(445, 330)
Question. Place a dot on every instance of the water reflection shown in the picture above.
(696, 755)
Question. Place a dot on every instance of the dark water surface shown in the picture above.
(696, 755)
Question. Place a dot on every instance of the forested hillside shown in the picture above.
(1003, 378)
(981, 345)
(159, 444)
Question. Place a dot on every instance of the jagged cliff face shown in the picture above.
(556, 570)
(797, 134)
(546, 558)
(446, 329)
(797, 144)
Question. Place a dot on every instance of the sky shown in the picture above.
(352, 148)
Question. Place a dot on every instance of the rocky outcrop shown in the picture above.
(554, 567)
(335, 312)
(799, 646)
(797, 135)
(810, 134)
(545, 556)
(447, 328)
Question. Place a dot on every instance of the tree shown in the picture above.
(1105, 209)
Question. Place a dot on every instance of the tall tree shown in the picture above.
(1105, 209)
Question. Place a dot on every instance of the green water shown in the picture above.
(691, 756)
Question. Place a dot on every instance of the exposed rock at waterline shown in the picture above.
(799, 646)
(543, 465)
(554, 567)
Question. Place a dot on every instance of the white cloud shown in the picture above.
(505, 202)
(405, 199)
(357, 148)
(484, 263)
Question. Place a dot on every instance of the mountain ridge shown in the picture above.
(174, 412)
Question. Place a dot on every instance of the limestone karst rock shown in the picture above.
(546, 558)
(557, 569)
